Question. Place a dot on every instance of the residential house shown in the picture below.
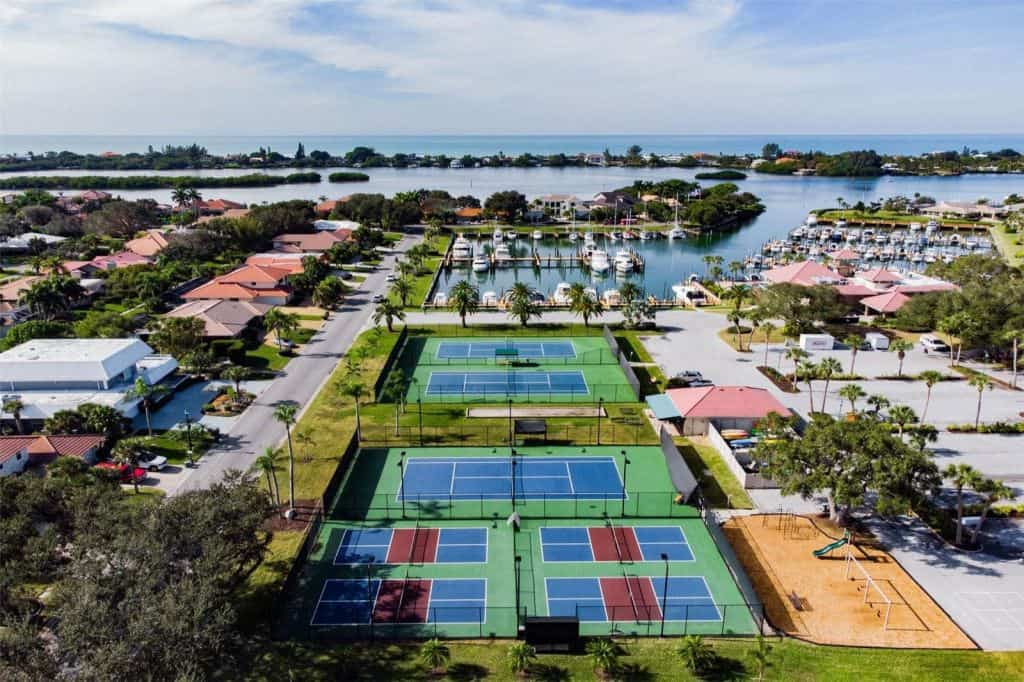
(229, 213)
(91, 195)
(610, 200)
(223, 319)
(807, 273)
(316, 242)
(113, 261)
(965, 209)
(595, 160)
(149, 244)
(325, 208)
(49, 375)
(23, 243)
(43, 449)
(9, 197)
(13, 456)
(468, 214)
(692, 410)
(217, 206)
(335, 225)
(292, 262)
(252, 283)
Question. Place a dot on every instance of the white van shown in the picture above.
(932, 343)
(877, 341)
(817, 341)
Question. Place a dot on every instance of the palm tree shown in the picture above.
(735, 318)
(629, 292)
(981, 383)
(406, 268)
(604, 654)
(797, 355)
(267, 463)
(435, 655)
(900, 347)
(696, 654)
(766, 328)
(737, 293)
(583, 304)
(901, 415)
(236, 374)
(1013, 336)
(521, 305)
(281, 323)
(962, 476)
(519, 656)
(389, 312)
(808, 371)
(402, 287)
(464, 298)
(146, 394)
(878, 403)
(127, 452)
(993, 491)
(194, 197)
(828, 368)
(760, 655)
(355, 389)
(735, 268)
(853, 341)
(853, 393)
(180, 196)
(930, 377)
(13, 407)
(285, 414)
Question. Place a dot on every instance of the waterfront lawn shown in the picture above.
(644, 659)
(1009, 245)
(422, 281)
(719, 486)
(887, 216)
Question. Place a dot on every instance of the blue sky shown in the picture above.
(510, 66)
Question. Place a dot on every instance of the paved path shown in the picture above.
(300, 381)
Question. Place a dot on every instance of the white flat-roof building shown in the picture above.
(48, 375)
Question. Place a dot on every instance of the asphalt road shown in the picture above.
(256, 429)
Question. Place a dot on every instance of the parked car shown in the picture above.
(930, 342)
(377, 298)
(344, 274)
(126, 473)
(391, 277)
(689, 375)
(152, 462)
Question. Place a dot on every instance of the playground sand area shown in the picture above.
(829, 600)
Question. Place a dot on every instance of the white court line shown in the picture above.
(568, 475)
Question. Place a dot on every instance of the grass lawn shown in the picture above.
(1008, 245)
(256, 597)
(265, 357)
(889, 217)
(646, 659)
(729, 337)
(720, 487)
(176, 451)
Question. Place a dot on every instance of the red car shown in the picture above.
(126, 473)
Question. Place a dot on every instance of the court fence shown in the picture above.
(611, 431)
(627, 369)
(657, 504)
(609, 393)
(617, 620)
(594, 356)
(512, 330)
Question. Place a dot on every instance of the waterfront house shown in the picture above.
(468, 214)
(559, 204)
(149, 244)
(325, 208)
(965, 209)
(252, 283)
(217, 206)
(49, 375)
(313, 243)
(807, 273)
(610, 199)
(223, 319)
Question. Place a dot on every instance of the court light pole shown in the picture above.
(419, 410)
(513, 459)
(519, 562)
(600, 411)
(369, 592)
(511, 442)
(664, 594)
(625, 474)
(401, 481)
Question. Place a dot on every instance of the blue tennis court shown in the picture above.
(531, 350)
(638, 598)
(614, 543)
(360, 601)
(412, 545)
(474, 478)
(511, 382)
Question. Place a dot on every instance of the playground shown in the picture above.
(822, 586)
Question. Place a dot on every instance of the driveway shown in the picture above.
(192, 398)
(256, 428)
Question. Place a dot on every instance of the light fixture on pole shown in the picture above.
(664, 594)
(401, 481)
(625, 474)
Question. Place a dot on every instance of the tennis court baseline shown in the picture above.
(529, 350)
(359, 601)
(512, 382)
(632, 598)
(614, 543)
(473, 478)
(412, 546)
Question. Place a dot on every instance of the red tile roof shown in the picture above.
(879, 276)
(279, 261)
(738, 402)
(854, 290)
(808, 273)
(317, 241)
(925, 288)
(260, 274)
(469, 212)
(215, 289)
(12, 445)
(219, 205)
(845, 254)
(889, 302)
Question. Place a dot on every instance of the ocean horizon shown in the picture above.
(515, 144)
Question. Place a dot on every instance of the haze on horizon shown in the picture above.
(211, 67)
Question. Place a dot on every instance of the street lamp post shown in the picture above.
(401, 481)
(664, 594)
(625, 473)
(188, 433)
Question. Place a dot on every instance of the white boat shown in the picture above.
(623, 261)
(645, 235)
(954, 240)
(840, 224)
(611, 297)
(511, 235)
(481, 264)
(441, 298)
(914, 227)
(880, 238)
(799, 232)
(931, 226)
(615, 236)
(502, 254)
(677, 233)
(588, 238)
(812, 219)
(561, 295)
(971, 243)
(916, 257)
(498, 236)
(538, 235)
(590, 292)
(489, 298)
(948, 258)
(599, 261)
(462, 249)
(573, 236)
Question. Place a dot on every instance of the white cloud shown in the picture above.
(223, 66)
